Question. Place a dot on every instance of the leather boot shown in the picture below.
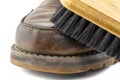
(39, 46)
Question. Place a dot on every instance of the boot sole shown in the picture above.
(60, 64)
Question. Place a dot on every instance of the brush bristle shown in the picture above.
(114, 47)
(63, 19)
(106, 42)
(78, 30)
(86, 32)
(69, 25)
(59, 12)
(97, 38)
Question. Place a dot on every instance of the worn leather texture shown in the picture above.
(41, 16)
(36, 34)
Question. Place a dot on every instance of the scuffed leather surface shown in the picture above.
(47, 41)
(36, 34)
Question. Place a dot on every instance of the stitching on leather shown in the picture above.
(45, 30)
(80, 55)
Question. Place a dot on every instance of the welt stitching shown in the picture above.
(80, 55)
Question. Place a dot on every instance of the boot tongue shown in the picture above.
(41, 16)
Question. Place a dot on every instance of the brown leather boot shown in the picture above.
(39, 46)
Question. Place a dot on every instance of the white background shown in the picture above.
(11, 12)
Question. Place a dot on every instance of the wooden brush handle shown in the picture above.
(104, 13)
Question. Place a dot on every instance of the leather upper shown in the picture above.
(36, 34)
